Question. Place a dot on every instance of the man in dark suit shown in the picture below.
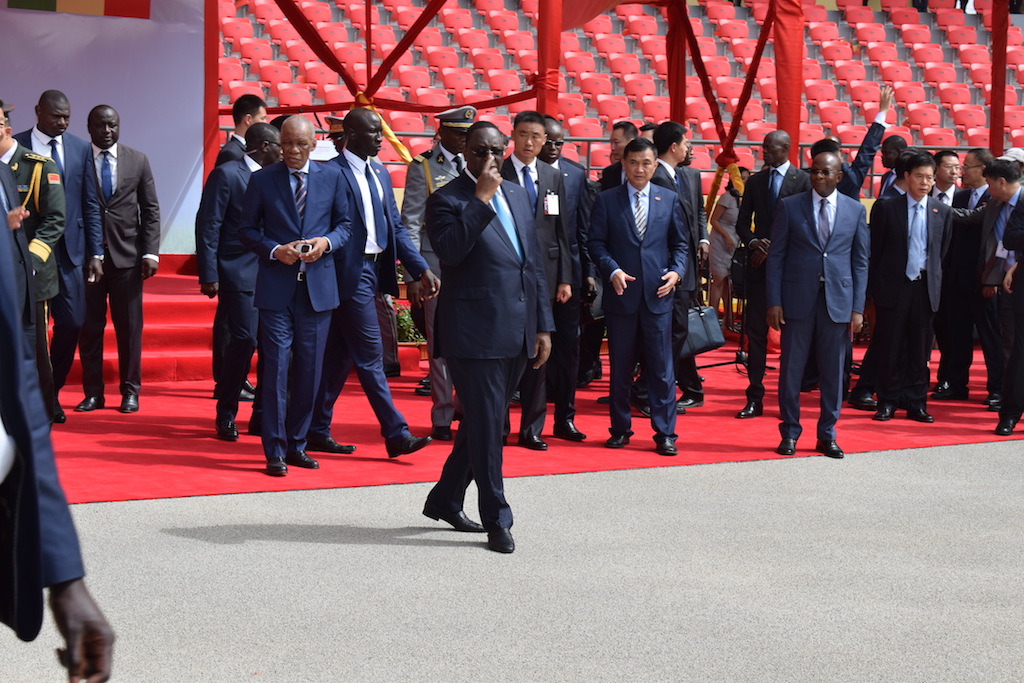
(675, 154)
(294, 212)
(38, 544)
(83, 231)
(131, 246)
(546, 193)
(21, 257)
(247, 110)
(779, 179)
(816, 278)
(623, 132)
(565, 342)
(227, 270)
(637, 236)
(364, 268)
(492, 315)
(909, 239)
(892, 147)
(969, 303)
(1012, 243)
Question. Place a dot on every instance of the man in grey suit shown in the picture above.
(816, 279)
(427, 173)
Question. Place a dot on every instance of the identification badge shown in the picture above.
(551, 205)
(1001, 251)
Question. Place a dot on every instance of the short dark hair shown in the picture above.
(917, 159)
(824, 145)
(259, 133)
(528, 116)
(52, 96)
(942, 154)
(628, 129)
(246, 104)
(1003, 168)
(481, 125)
(639, 145)
(648, 126)
(983, 154)
(668, 134)
(894, 142)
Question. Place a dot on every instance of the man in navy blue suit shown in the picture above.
(492, 315)
(83, 231)
(364, 268)
(816, 278)
(293, 213)
(38, 544)
(637, 236)
(227, 270)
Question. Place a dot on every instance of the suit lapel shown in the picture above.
(284, 186)
(350, 178)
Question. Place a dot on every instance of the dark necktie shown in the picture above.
(1004, 216)
(300, 194)
(379, 224)
(943, 198)
(776, 185)
(55, 153)
(460, 166)
(824, 226)
(106, 177)
(531, 189)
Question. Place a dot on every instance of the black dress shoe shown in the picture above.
(664, 446)
(442, 434)
(885, 413)
(276, 467)
(642, 408)
(517, 397)
(862, 401)
(948, 393)
(787, 446)
(459, 520)
(993, 399)
(248, 386)
(920, 415)
(604, 400)
(227, 430)
(567, 430)
(752, 409)
(90, 404)
(326, 444)
(422, 390)
(829, 448)
(59, 417)
(406, 445)
(534, 443)
(300, 459)
(690, 402)
(617, 441)
(246, 395)
(392, 369)
(1005, 427)
(680, 408)
(129, 404)
(500, 541)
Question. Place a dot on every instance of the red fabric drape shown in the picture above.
(212, 49)
(789, 55)
(549, 55)
(1000, 27)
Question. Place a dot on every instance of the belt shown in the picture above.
(301, 277)
(373, 258)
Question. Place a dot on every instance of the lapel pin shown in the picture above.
(657, 199)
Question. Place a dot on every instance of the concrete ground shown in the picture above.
(896, 565)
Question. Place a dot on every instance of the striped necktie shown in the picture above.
(640, 216)
(300, 194)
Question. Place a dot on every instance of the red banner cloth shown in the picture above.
(789, 56)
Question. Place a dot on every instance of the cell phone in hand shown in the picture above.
(305, 248)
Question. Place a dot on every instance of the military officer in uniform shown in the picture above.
(427, 173)
(42, 193)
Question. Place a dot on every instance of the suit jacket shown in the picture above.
(233, 150)
(797, 262)
(83, 229)
(614, 244)
(756, 206)
(38, 542)
(855, 173)
(41, 191)
(889, 243)
(555, 243)
(990, 268)
(423, 177)
(269, 219)
(1013, 238)
(579, 199)
(961, 268)
(611, 176)
(693, 211)
(492, 305)
(20, 256)
(221, 255)
(350, 259)
(131, 217)
(891, 173)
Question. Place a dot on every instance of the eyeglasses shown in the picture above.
(824, 173)
(481, 152)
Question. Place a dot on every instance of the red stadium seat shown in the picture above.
(849, 70)
(727, 87)
(527, 60)
(657, 109)
(811, 68)
(962, 35)
(882, 52)
(594, 84)
(981, 75)
(238, 88)
(519, 40)
(717, 12)
(1011, 95)
(503, 20)
(708, 130)
(281, 30)
(969, 116)
(974, 54)
(622, 64)
(916, 33)
(863, 91)
(485, 7)
(815, 12)
(316, 11)
(769, 89)
(636, 86)
(653, 45)
(858, 14)
(954, 93)
(602, 23)
(431, 97)
(718, 66)
(576, 63)
(253, 50)
(413, 77)
(947, 18)
(908, 92)
(406, 17)
(1013, 118)
(870, 33)
(504, 82)
(454, 18)
(928, 52)
(810, 133)
(570, 105)
(293, 95)
(570, 42)
(698, 110)
(757, 130)
(350, 53)
(611, 108)
(733, 30)
(471, 38)
(486, 58)
(834, 113)
(473, 95)
(870, 110)
(741, 48)
(599, 155)
(229, 69)
(851, 135)
(331, 32)
(456, 79)
(430, 36)
(642, 25)
(398, 172)
(892, 72)
(607, 43)
(819, 90)
(580, 127)
(938, 137)
(978, 137)
(272, 71)
(443, 57)
(923, 115)
(901, 131)
(407, 122)
(234, 29)
(820, 31)
(1014, 56)
(904, 15)
(834, 50)
(939, 72)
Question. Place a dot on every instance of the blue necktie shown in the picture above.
(55, 153)
(531, 190)
(887, 182)
(776, 185)
(1004, 216)
(915, 245)
(106, 178)
(506, 222)
(379, 224)
(3, 200)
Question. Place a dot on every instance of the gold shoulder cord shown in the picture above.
(33, 186)
(430, 181)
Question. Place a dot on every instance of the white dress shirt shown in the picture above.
(41, 145)
(359, 171)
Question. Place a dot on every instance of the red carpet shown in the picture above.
(168, 448)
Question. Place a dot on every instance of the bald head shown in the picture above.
(363, 132)
(776, 148)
